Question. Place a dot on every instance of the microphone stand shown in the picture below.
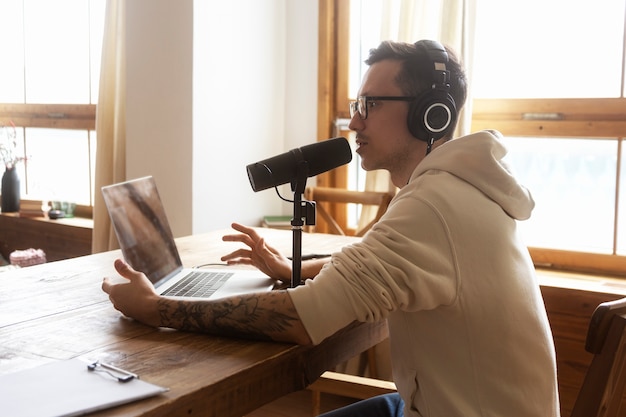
(301, 210)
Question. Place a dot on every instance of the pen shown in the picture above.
(116, 369)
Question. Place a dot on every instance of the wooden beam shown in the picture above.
(569, 109)
(554, 128)
(592, 263)
(58, 116)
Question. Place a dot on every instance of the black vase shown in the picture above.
(10, 191)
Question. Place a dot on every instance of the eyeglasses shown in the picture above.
(362, 104)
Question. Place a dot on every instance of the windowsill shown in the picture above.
(547, 277)
(68, 221)
(582, 282)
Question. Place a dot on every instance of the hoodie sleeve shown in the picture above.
(405, 262)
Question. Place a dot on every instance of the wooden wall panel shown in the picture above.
(569, 311)
(59, 239)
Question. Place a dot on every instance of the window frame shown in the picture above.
(46, 112)
(602, 118)
(52, 116)
(585, 118)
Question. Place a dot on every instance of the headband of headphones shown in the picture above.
(438, 57)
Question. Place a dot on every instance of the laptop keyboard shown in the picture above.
(199, 284)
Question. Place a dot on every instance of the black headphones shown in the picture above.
(432, 113)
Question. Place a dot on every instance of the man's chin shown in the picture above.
(366, 163)
(366, 167)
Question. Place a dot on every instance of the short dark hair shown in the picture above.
(416, 74)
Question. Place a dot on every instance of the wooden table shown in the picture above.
(57, 311)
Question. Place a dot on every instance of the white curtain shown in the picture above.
(110, 121)
(450, 22)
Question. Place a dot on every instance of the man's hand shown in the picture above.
(263, 316)
(137, 298)
(261, 255)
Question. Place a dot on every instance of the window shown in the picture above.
(574, 50)
(49, 87)
(557, 95)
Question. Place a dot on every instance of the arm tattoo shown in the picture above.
(255, 316)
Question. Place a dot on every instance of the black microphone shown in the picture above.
(281, 169)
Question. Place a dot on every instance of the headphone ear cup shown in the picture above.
(431, 115)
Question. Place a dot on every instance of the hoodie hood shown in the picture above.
(477, 159)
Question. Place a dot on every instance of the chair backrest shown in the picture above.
(602, 392)
(327, 195)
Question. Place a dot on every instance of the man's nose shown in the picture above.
(356, 123)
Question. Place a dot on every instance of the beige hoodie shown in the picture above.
(446, 267)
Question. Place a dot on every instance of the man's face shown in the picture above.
(383, 139)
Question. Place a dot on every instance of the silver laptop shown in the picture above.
(147, 243)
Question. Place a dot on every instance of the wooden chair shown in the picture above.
(350, 386)
(604, 385)
(323, 196)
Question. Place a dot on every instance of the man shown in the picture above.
(444, 266)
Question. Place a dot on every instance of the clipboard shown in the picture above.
(68, 388)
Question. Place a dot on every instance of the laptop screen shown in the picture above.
(142, 229)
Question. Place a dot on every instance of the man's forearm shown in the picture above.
(312, 267)
(265, 316)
